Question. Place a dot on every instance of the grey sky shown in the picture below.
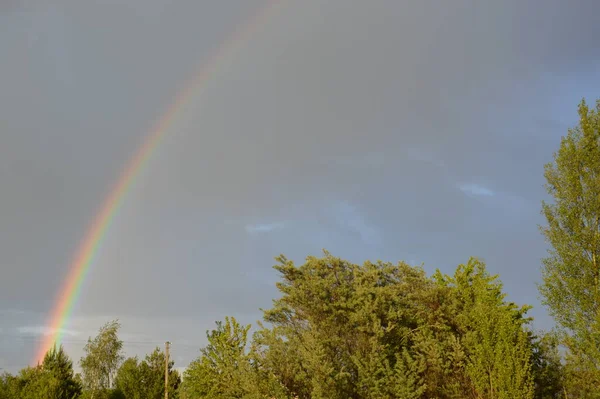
(393, 130)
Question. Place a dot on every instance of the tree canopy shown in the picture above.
(103, 354)
(337, 330)
(571, 273)
(341, 330)
(146, 379)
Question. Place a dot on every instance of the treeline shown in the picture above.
(339, 330)
(104, 374)
(379, 330)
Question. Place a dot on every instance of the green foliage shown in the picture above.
(495, 338)
(103, 354)
(34, 382)
(378, 330)
(224, 368)
(103, 393)
(60, 367)
(571, 272)
(153, 375)
(129, 380)
(344, 323)
(342, 330)
(9, 387)
(547, 367)
(146, 379)
(53, 379)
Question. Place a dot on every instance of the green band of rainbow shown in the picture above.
(84, 258)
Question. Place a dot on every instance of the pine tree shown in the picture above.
(60, 367)
(223, 370)
(493, 334)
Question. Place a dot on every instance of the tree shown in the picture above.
(58, 365)
(4, 393)
(9, 386)
(129, 381)
(548, 370)
(153, 374)
(53, 379)
(223, 369)
(34, 382)
(146, 379)
(571, 271)
(495, 338)
(102, 357)
(342, 330)
(376, 330)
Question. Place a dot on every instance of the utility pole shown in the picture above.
(167, 369)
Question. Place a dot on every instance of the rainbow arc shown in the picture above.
(70, 291)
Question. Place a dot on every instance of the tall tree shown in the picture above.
(103, 354)
(571, 272)
(547, 367)
(223, 368)
(129, 381)
(58, 365)
(345, 329)
(495, 337)
(152, 370)
(146, 379)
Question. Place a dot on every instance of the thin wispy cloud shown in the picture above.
(263, 227)
(475, 190)
(45, 330)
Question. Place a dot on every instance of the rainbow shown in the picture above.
(86, 253)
